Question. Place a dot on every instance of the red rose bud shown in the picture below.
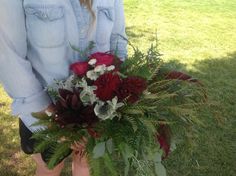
(103, 58)
(185, 77)
(136, 84)
(164, 139)
(107, 85)
(93, 133)
(178, 75)
(79, 68)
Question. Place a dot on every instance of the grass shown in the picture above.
(194, 35)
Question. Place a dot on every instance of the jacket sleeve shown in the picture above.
(119, 37)
(16, 72)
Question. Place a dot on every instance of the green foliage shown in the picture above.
(99, 150)
(160, 169)
(59, 152)
(84, 53)
(41, 115)
(143, 65)
(128, 141)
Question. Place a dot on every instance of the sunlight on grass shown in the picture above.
(187, 30)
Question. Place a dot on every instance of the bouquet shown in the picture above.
(130, 112)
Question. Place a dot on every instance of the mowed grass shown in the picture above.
(197, 36)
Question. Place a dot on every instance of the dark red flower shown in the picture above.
(107, 84)
(164, 138)
(178, 75)
(71, 111)
(79, 68)
(131, 88)
(103, 58)
(87, 115)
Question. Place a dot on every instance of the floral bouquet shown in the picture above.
(130, 112)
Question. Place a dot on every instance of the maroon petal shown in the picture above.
(164, 138)
(178, 75)
(64, 92)
(74, 102)
(63, 103)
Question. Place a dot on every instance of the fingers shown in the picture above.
(80, 153)
(79, 145)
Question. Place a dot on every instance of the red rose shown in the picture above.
(107, 84)
(131, 88)
(79, 68)
(103, 58)
(136, 84)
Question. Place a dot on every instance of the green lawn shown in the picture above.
(198, 36)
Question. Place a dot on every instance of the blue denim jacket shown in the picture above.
(35, 38)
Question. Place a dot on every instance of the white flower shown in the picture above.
(83, 83)
(92, 75)
(104, 111)
(110, 68)
(114, 103)
(87, 95)
(100, 69)
(107, 110)
(68, 84)
(63, 84)
(92, 62)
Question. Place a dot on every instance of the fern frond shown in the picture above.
(59, 152)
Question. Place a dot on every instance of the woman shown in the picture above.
(35, 38)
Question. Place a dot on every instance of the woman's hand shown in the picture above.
(79, 147)
(80, 166)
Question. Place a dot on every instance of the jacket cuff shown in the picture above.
(29, 122)
(34, 103)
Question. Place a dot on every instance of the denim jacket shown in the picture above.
(35, 39)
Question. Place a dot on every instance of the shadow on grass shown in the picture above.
(11, 156)
(137, 32)
(214, 152)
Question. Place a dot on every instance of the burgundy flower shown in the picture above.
(164, 137)
(103, 58)
(71, 111)
(178, 75)
(107, 84)
(136, 84)
(131, 88)
(79, 68)
(87, 115)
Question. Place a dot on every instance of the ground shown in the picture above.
(196, 36)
